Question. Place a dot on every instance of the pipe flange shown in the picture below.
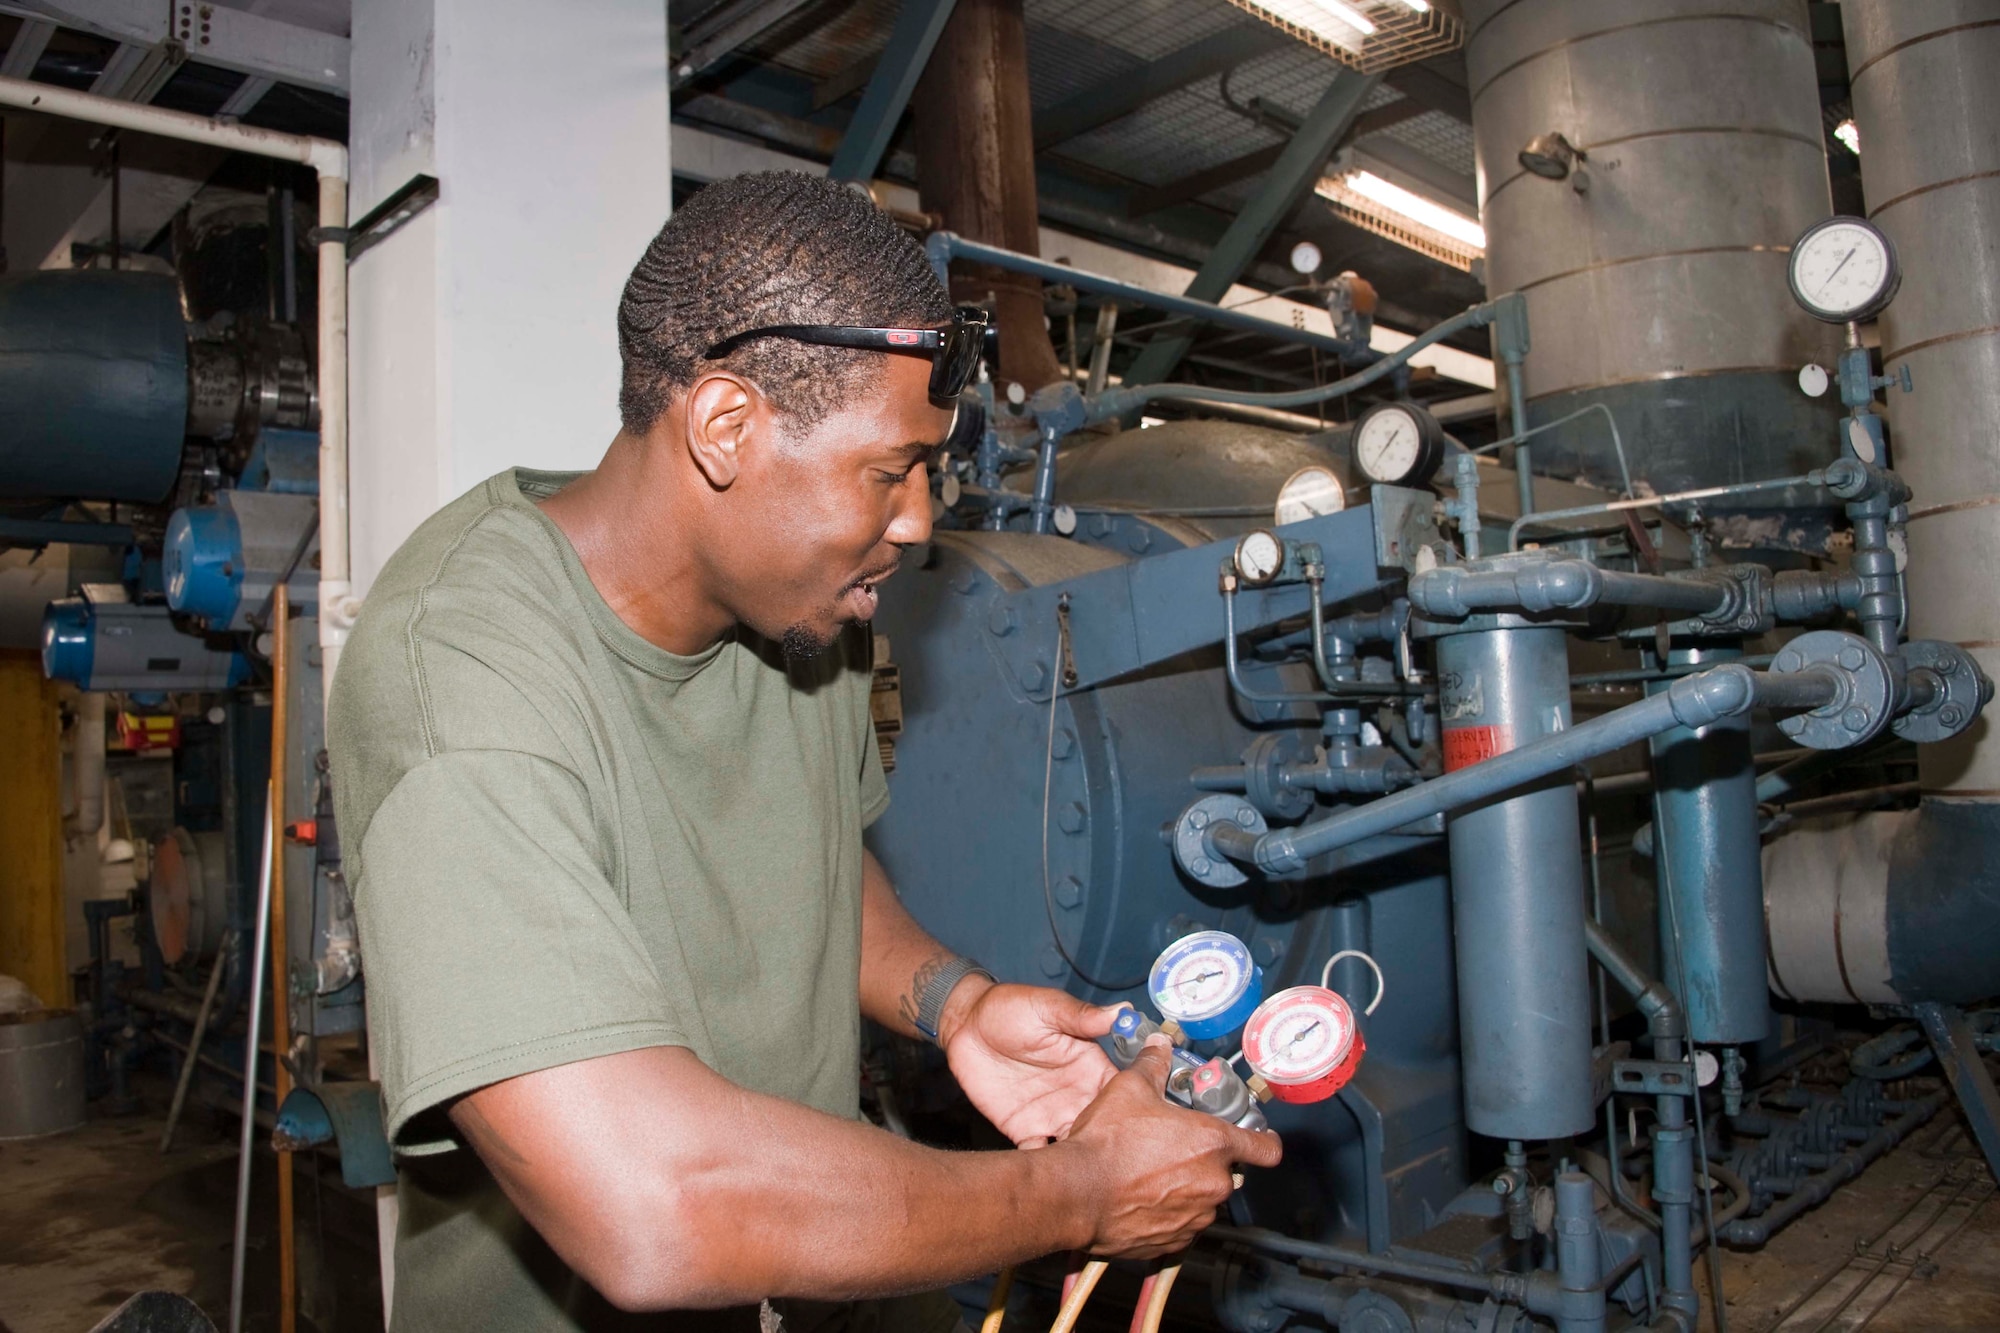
(1191, 849)
(1862, 709)
(1263, 760)
(1962, 690)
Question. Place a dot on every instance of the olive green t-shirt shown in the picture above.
(565, 842)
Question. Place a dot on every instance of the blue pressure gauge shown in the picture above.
(1207, 983)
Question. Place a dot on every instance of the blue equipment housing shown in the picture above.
(99, 641)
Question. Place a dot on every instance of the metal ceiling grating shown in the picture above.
(1397, 32)
(1443, 138)
(1147, 29)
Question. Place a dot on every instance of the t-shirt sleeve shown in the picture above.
(874, 785)
(497, 943)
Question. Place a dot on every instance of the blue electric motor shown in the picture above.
(100, 641)
(222, 560)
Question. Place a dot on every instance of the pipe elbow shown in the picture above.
(1437, 592)
(1709, 696)
(1566, 585)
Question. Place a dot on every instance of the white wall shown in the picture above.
(484, 333)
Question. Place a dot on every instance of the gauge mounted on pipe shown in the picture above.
(1259, 558)
(1207, 983)
(1844, 269)
(1398, 444)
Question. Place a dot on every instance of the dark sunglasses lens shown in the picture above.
(952, 368)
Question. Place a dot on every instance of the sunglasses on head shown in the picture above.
(954, 348)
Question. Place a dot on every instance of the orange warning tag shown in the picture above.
(1464, 746)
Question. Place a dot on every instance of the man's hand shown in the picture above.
(1026, 1056)
(1158, 1172)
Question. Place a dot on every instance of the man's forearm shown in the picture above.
(899, 959)
(751, 1196)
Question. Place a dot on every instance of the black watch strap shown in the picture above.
(930, 1004)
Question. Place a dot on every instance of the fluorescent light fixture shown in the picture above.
(1417, 6)
(1850, 134)
(1341, 24)
(1417, 208)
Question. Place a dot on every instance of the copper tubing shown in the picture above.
(281, 1026)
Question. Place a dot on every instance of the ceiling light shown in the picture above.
(1550, 155)
(1330, 20)
(1417, 6)
(1417, 208)
(1850, 134)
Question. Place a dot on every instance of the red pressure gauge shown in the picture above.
(1304, 1043)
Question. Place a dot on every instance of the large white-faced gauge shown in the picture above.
(1304, 1042)
(1398, 444)
(1311, 492)
(1844, 269)
(1207, 983)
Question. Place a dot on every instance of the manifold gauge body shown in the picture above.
(1207, 983)
(1304, 1043)
(1844, 269)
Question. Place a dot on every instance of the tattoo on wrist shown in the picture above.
(908, 1005)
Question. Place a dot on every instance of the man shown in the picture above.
(603, 759)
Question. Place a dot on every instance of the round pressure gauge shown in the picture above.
(1844, 269)
(1398, 444)
(1207, 983)
(1259, 558)
(1311, 492)
(1304, 1043)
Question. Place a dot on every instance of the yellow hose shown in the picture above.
(1072, 1305)
(1156, 1307)
(996, 1305)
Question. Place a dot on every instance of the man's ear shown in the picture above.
(722, 412)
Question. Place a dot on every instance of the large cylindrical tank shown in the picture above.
(1221, 476)
(1906, 906)
(1926, 79)
(99, 641)
(1076, 889)
(1655, 272)
(93, 386)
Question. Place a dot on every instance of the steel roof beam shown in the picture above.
(1291, 178)
(1194, 186)
(918, 26)
(230, 39)
(1127, 92)
(25, 51)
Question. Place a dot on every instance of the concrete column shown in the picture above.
(484, 332)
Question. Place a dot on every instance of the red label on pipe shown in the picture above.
(1464, 746)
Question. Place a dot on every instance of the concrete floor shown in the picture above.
(88, 1218)
(91, 1217)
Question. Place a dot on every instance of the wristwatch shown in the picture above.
(930, 1004)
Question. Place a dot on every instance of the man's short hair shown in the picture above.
(771, 247)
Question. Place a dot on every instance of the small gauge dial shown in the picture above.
(1844, 269)
(1398, 444)
(1207, 983)
(1311, 492)
(1259, 557)
(1304, 1042)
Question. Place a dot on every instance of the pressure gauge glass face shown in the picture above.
(1259, 557)
(1202, 977)
(1311, 492)
(1397, 444)
(1843, 269)
(1301, 1038)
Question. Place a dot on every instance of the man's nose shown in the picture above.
(911, 525)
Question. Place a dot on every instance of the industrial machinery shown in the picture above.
(1200, 718)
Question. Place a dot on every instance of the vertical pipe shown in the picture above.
(260, 945)
(1707, 855)
(1524, 454)
(1579, 1262)
(1517, 892)
(281, 953)
(337, 605)
(1673, 1192)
